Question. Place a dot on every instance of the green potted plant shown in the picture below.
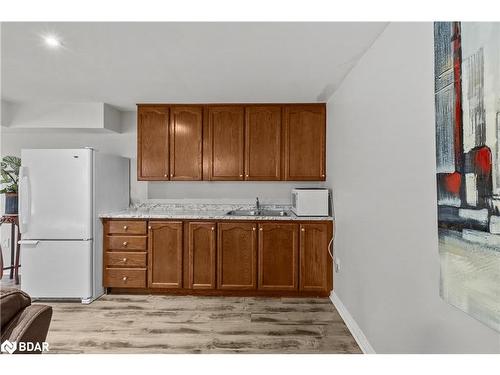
(10, 177)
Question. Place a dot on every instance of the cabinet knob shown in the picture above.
(213, 228)
(124, 278)
(171, 175)
(125, 244)
(247, 175)
(322, 175)
(125, 227)
(165, 175)
(241, 175)
(149, 227)
(124, 260)
(303, 230)
(261, 229)
(254, 228)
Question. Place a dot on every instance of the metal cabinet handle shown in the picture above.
(125, 244)
(124, 260)
(241, 175)
(149, 227)
(254, 228)
(125, 227)
(261, 229)
(213, 228)
(303, 230)
(124, 278)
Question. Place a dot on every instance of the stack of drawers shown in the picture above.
(125, 254)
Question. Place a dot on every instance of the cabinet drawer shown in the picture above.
(126, 243)
(125, 277)
(127, 227)
(125, 259)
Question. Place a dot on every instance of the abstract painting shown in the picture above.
(467, 99)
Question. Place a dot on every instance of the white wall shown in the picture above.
(35, 115)
(382, 170)
(124, 143)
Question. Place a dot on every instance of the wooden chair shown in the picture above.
(15, 248)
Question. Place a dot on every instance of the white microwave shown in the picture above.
(310, 201)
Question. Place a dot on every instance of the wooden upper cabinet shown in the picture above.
(314, 257)
(263, 143)
(186, 130)
(201, 253)
(165, 254)
(278, 256)
(305, 142)
(152, 143)
(237, 256)
(225, 143)
(255, 142)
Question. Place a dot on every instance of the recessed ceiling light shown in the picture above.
(52, 41)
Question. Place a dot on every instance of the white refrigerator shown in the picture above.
(61, 194)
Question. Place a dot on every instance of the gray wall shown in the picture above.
(382, 170)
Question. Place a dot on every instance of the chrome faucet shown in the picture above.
(257, 204)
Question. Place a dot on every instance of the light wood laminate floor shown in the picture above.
(193, 324)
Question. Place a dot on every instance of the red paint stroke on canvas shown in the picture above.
(482, 161)
(452, 183)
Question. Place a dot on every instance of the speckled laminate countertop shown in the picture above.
(141, 213)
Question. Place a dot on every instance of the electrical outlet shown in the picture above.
(337, 265)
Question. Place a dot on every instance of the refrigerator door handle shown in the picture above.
(24, 199)
(28, 242)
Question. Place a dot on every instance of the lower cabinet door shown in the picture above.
(237, 256)
(201, 250)
(278, 256)
(314, 257)
(165, 254)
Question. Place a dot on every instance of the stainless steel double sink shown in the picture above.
(257, 213)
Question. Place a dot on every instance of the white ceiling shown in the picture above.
(127, 63)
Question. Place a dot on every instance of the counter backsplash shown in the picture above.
(198, 206)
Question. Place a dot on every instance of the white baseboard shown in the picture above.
(356, 332)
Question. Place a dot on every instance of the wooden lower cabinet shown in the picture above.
(223, 257)
(313, 257)
(165, 254)
(125, 277)
(237, 256)
(278, 256)
(125, 256)
(201, 253)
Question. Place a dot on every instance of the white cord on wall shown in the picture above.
(330, 245)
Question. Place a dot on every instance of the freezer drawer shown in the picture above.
(57, 269)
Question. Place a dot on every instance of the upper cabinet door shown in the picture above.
(305, 137)
(152, 143)
(186, 129)
(225, 143)
(263, 143)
